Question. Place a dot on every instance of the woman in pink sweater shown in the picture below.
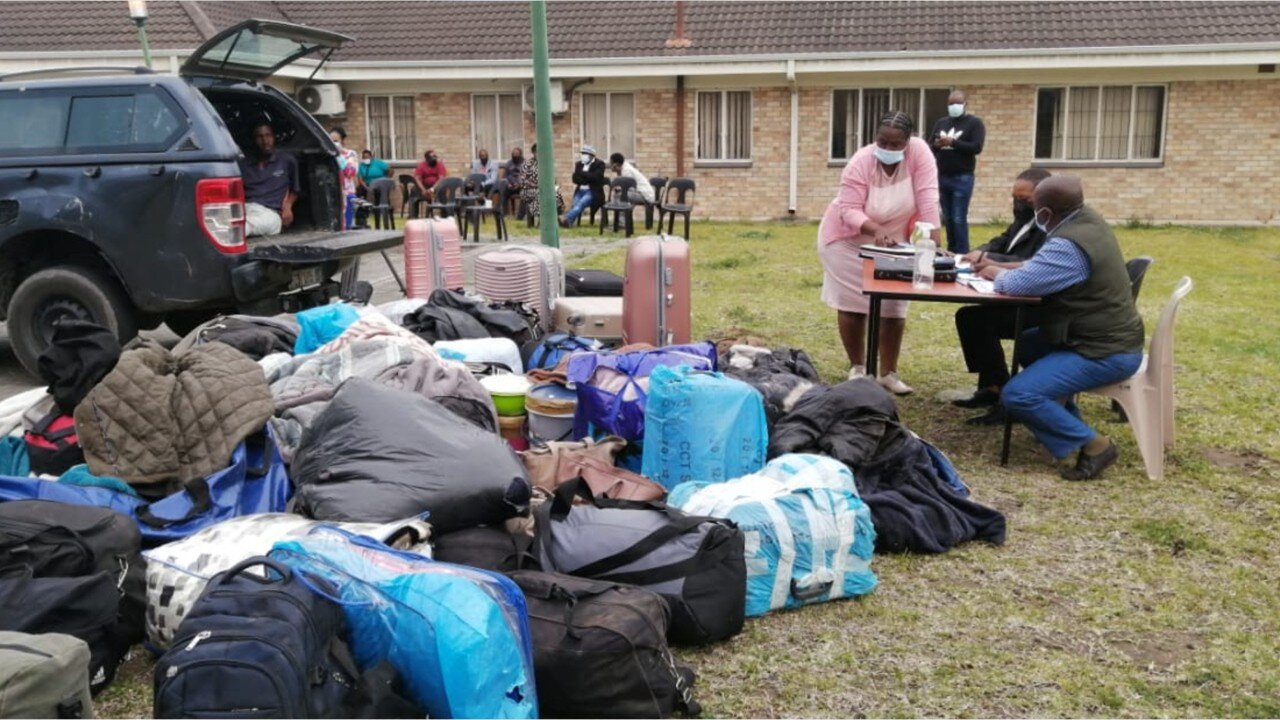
(885, 188)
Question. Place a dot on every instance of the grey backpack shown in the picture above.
(44, 676)
(695, 563)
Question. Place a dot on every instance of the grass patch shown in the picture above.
(1087, 610)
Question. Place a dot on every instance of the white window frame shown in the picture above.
(497, 109)
(608, 120)
(391, 113)
(724, 129)
(1129, 160)
(922, 123)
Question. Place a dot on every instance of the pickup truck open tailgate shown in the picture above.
(322, 245)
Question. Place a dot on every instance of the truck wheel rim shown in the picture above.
(59, 309)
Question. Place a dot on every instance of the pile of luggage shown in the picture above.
(457, 506)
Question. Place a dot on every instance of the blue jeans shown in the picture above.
(954, 193)
(1034, 396)
(581, 201)
(349, 214)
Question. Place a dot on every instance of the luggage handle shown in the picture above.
(811, 592)
(286, 573)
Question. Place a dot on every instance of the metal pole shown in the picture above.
(142, 38)
(542, 115)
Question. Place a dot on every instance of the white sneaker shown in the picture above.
(857, 371)
(890, 382)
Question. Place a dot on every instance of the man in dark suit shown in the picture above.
(982, 327)
(588, 175)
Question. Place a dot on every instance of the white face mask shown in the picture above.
(888, 157)
(586, 159)
(1043, 225)
(955, 110)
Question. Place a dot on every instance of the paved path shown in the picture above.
(13, 379)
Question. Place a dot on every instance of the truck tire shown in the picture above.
(59, 292)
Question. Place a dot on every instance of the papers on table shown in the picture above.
(986, 287)
(899, 250)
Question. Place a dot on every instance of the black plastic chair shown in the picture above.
(659, 182)
(380, 198)
(446, 193)
(407, 189)
(619, 203)
(476, 213)
(1137, 268)
(684, 190)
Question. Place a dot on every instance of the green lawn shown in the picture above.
(1122, 597)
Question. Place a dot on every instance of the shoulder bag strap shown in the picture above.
(201, 501)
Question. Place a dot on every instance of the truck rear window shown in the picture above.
(34, 124)
(63, 122)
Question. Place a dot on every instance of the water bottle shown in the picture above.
(926, 249)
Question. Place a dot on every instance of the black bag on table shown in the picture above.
(86, 607)
(600, 650)
(695, 563)
(258, 646)
(487, 548)
(592, 283)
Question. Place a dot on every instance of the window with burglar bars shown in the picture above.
(389, 127)
(855, 114)
(1100, 123)
(724, 125)
(497, 124)
(609, 123)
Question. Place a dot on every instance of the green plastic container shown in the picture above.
(508, 393)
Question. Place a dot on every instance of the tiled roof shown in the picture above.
(485, 29)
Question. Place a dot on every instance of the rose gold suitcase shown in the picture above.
(593, 317)
(432, 257)
(656, 306)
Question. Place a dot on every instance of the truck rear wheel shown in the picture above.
(65, 291)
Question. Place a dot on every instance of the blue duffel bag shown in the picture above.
(255, 482)
(459, 636)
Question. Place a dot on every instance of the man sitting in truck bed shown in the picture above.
(270, 185)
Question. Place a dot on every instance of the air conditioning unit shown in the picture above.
(559, 103)
(322, 99)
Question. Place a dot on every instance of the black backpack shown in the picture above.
(600, 650)
(58, 540)
(255, 646)
(84, 607)
(485, 547)
(696, 564)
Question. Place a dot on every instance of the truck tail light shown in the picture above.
(220, 212)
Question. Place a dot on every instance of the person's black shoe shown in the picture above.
(994, 416)
(1090, 467)
(986, 397)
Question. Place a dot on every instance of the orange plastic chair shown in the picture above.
(1147, 397)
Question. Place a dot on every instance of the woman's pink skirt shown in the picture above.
(842, 279)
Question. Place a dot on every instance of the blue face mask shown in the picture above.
(955, 110)
(888, 157)
(1043, 225)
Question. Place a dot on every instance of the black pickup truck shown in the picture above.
(121, 199)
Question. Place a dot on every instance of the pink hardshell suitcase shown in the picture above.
(656, 306)
(532, 274)
(432, 257)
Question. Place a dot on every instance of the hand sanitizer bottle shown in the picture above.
(926, 249)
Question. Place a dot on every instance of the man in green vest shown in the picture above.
(1090, 332)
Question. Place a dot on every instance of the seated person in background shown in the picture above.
(371, 169)
(1090, 333)
(270, 185)
(588, 175)
(982, 327)
(482, 166)
(511, 172)
(622, 168)
(425, 176)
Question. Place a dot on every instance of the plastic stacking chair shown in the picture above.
(658, 182)
(619, 203)
(445, 201)
(683, 190)
(380, 196)
(1137, 268)
(476, 213)
(407, 186)
(1147, 397)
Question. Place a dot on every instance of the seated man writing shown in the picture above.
(982, 327)
(270, 185)
(1090, 332)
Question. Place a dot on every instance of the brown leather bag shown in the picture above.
(544, 464)
(611, 482)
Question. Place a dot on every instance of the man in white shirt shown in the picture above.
(622, 168)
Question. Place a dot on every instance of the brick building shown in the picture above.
(1166, 109)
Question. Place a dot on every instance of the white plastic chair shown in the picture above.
(1147, 397)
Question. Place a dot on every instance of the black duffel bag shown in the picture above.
(487, 548)
(600, 650)
(695, 563)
